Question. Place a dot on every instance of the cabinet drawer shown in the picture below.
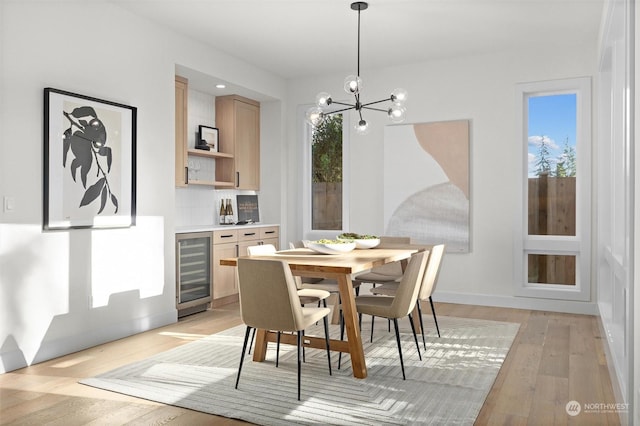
(270, 232)
(248, 234)
(225, 236)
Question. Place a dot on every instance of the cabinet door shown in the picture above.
(224, 277)
(247, 153)
(181, 131)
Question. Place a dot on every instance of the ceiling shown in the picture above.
(294, 38)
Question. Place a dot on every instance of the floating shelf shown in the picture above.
(210, 154)
(211, 183)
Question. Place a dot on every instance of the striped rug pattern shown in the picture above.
(448, 386)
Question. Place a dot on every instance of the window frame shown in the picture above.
(308, 232)
(580, 244)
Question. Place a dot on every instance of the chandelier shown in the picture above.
(353, 86)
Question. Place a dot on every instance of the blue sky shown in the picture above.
(554, 118)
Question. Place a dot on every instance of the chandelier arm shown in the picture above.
(342, 103)
(339, 110)
(374, 109)
(375, 102)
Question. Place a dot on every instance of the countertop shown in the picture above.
(207, 228)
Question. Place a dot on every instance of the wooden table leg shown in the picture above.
(354, 337)
(260, 350)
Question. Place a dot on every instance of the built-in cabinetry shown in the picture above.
(193, 272)
(182, 150)
(233, 243)
(238, 120)
(181, 130)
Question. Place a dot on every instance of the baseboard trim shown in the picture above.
(568, 306)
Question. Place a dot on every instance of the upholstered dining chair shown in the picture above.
(429, 281)
(388, 272)
(401, 304)
(269, 300)
(306, 295)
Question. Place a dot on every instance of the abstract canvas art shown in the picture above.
(427, 184)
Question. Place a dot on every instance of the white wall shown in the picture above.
(479, 88)
(67, 290)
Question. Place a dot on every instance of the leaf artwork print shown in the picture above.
(86, 138)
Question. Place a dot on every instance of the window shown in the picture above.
(552, 259)
(324, 177)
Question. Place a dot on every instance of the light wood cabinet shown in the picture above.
(238, 121)
(234, 243)
(181, 100)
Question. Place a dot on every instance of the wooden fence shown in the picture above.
(552, 211)
(327, 205)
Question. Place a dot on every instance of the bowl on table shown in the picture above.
(331, 246)
(361, 241)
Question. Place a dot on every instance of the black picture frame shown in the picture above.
(89, 162)
(210, 136)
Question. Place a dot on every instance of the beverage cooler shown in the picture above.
(193, 272)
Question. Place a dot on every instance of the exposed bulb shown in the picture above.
(352, 84)
(399, 96)
(314, 116)
(396, 113)
(362, 127)
(323, 99)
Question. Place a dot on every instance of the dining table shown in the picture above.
(305, 262)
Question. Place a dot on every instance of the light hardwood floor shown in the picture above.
(554, 359)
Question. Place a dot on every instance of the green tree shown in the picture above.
(327, 150)
(542, 164)
(569, 158)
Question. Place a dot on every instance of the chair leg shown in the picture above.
(434, 315)
(244, 349)
(299, 361)
(341, 338)
(421, 324)
(372, 320)
(415, 336)
(303, 355)
(277, 349)
(326, 338)
(395, 324)
(253, 334)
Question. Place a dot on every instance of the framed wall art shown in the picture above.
(89, 162)
(207, 137)
(427, 183)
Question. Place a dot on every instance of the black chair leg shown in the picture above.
(244, 349)
(421, 324)
(253, 334)
(326, 338)
(303, 355)
(415, 336)
(434, 315)
(341, 338)
(299, 361)
(395, 324)
(277, 349)
(372, 320)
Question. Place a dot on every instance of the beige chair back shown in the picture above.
(408, 289)
(393, 241)
(268, 295)
(261, 249)
(432, 271)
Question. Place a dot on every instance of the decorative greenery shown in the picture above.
(88, 142)
(327, 150)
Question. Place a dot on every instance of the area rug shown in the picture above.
(448, 386)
